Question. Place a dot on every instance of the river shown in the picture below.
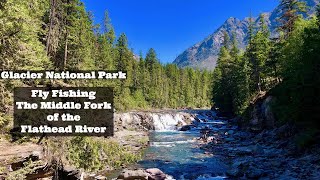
(178, 153)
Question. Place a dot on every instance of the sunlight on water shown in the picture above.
(178, 154)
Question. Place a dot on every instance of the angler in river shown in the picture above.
(204, 133)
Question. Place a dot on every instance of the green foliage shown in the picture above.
(292, 64)
(257, 55)
(299, 91)
(28, 168)
(230, 86)
(95, 154)
(21, 26)
(288, 67)
(318, 14)
(60, 35)
(290, 13)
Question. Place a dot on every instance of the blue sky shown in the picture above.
(171, 26)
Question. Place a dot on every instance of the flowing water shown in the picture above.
(178, 153)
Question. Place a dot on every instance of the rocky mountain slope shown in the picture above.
(204, 54)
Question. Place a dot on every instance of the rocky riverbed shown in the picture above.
(270, 154)
(230, 152)
(176, 151)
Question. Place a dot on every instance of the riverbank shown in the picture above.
(167, 145)
(270, 154)
(86, 157)
(70, 157)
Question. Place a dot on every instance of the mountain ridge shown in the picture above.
(204, 54)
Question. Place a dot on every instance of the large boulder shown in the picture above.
(259, 115)
(156, 174)
(268, 115)
(137, 174)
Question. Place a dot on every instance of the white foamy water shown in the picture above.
(211, 178)
(214, 122)
(167, 122)
(177, 152)
(170, 143)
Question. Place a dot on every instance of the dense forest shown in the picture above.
(60, 35)
(286, 67)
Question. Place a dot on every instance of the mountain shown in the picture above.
(204, 54)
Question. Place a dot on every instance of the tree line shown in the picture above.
(286, 66)
(60, 35)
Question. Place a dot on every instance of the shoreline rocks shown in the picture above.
(269, 154)
(143, 174)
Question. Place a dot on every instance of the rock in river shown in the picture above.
(138, 174)
(156, 174)
(185, 128)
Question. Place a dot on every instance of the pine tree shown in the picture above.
(257, 54)
(222, 94)
(104, 59)
(234, 51)
(151, 59)
(290, 12)
(122, 52)
(318, 14)
(21, 34)
(250, 30)
(272, 63)
(261, 48)
(231, 82)
(298, 93)
(59, 34)
(53, 23)
(108, 29)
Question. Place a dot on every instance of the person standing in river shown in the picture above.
(204, 133)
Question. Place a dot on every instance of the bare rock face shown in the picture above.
(15, 155)
(142, 174)
(204, 54)
(262, 116)
(267, 112)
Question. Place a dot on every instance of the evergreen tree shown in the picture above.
(151, 59)
(260, 53)
(298, 93)
(108, 29)
(104, 59)
(222, 96)
(21, 29)
(230, 85)
(122, 52)
(318, 14)
(250, 30)
(53, 22)
(290, 12)
(38, 33)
